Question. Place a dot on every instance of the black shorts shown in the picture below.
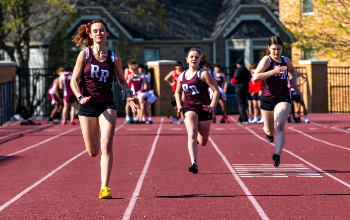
(95, 109)
(256, 97)
(202, 116)
(268, 103)
(249, 96)
(296, 97)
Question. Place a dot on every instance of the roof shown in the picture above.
(184, 19)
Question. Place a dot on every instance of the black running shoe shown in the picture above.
(269, 138)
(276, 160)
(197, 142)
(193, 168)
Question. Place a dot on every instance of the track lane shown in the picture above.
(73, 191)
(170, 191)
(282, 197)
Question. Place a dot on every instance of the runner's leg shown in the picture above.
(107, 123)
(191, 123)
(281, 112)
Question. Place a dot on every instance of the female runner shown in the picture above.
(275, 100)
(197, 107)
(95, 67)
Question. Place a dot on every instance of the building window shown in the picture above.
(308, 54)
(307, 7)
(234, 56)
(151, 54)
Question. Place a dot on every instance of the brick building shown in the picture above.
(298, 10)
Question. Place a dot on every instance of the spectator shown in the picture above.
(241, 78)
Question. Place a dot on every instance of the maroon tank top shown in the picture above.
(220, 80)
(196, 92)
(67, 90)
(135, 84)
(276, 86)
(98, 77)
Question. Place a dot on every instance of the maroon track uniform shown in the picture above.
(276, 86)
(196, 92)
(67, 90)
(51, 93)
(220, 80)
(135, 84)
(98, 77)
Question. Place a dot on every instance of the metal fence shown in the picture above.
(6, 101)
(338, 89)
(32, 86)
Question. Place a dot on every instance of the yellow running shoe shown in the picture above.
(104, 193)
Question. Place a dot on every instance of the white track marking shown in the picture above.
(45, 177)
(133, 199)
(35, 145)
(319, 124)
(240, 182)
(116, 129)
(339, 129)
(38, 182)
(310, 164)
(42, 126)
(316, 139)
(15, 123)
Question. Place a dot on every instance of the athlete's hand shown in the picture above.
(208, 108)
(172, 84)
(84, 100)
(179, 110)
(296, 89)
(279, 70)
(132, 104)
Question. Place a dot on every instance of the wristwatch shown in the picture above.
(80, 97)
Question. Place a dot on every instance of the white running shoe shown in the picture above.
(307, 121)
(250, 120)
(255, 120)
(261, 121)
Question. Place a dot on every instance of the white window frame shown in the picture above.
(151, 48)
(307, 13)
(248, 49)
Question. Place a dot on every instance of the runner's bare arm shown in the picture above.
(225, 82)
(168, 77)
(79, 65)
(178, 93)
(293, 75)
(260, 73)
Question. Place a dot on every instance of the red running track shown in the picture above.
(46, 173)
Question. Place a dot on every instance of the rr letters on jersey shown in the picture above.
(283, 75)
(95, 69)
(188, 89)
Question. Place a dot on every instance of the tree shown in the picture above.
(19, 18)
(326, 32)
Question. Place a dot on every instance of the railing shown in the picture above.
(32, 85)
(338, 89)
(6, 101)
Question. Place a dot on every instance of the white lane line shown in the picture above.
(334, 128)
(35, 145)
(45, 177)
(240, 182)
(310, 164)
(265, 176)
(116, 129)
(338, 129)
(133, 199)
(38, 182)
(41, 126)
(16, 123)
(316, 139)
